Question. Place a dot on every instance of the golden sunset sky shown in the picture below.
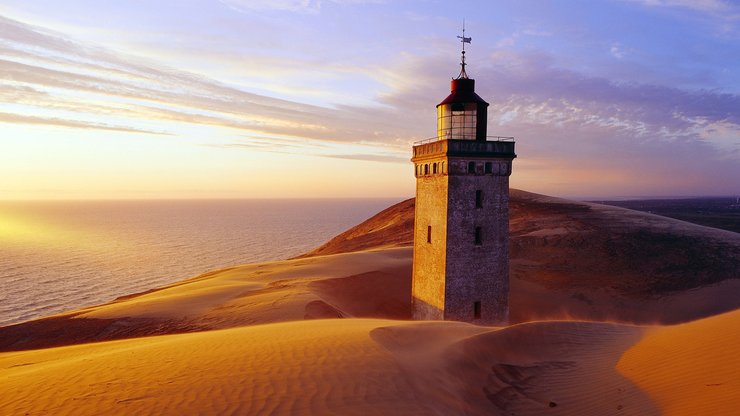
(274, 99)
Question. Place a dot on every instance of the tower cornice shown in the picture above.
(465, 148)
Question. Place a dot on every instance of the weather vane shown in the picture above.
(463, 40)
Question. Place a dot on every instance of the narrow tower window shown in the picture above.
(479, 198)
(478, 236)
(471, 167)
(476, 310)
(429, 233)
(489, 167)
(426, 169)
(434, 168)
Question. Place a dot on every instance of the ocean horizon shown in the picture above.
(57, 256)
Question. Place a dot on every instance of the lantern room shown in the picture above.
(463, 115)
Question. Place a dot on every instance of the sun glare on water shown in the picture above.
(17, 229)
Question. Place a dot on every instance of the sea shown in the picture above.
(57, 256)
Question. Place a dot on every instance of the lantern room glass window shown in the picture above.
(457, 121)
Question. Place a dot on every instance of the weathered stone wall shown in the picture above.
(478, 272)
(428, 285)
(453, 272)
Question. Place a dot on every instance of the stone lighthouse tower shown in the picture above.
(461, 226)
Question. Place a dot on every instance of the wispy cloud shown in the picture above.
(631, 136)
(51, 121)
(720, 16)
(617, 51)
(371, 158)
(707, 6)
(534, 78)
(42, 70)
(294, 146)
(311, 6)
(631, 133)
(301, 6)
(54, 77)
(637, 134)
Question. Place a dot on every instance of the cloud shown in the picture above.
(584, 131)
(527, 78)
(617, 51)
(283, 5)
(51, 121)
(370, 158)
(590, 133)
(300, 6)
(296, 146)
(719, 16)
(707, 6)
(54, 78)
(658, 139)
(513, 38)
(529, 88)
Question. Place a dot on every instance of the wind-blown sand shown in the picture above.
(689, 369)
(265, 338)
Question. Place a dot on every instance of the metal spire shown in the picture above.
(463, 40)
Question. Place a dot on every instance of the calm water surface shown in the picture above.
(57, 256)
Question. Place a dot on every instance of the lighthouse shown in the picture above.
(461, 225)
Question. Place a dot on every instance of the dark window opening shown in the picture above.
(426, 169)
(434, 168)
(476, 309)
(429, 234)
(489, 167)
(471, 167)
(479, 199)
(478, 236)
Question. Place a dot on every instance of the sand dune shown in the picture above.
(246, 295)
(255, 339)
(392, 227)
(371, 284)
(357, 366)
(689, 369)
(331, 367)
(316, 367)
(576, 260)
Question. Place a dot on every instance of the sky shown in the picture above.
(104, 99)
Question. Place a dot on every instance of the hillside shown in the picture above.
(392, 227)
(593, 261)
